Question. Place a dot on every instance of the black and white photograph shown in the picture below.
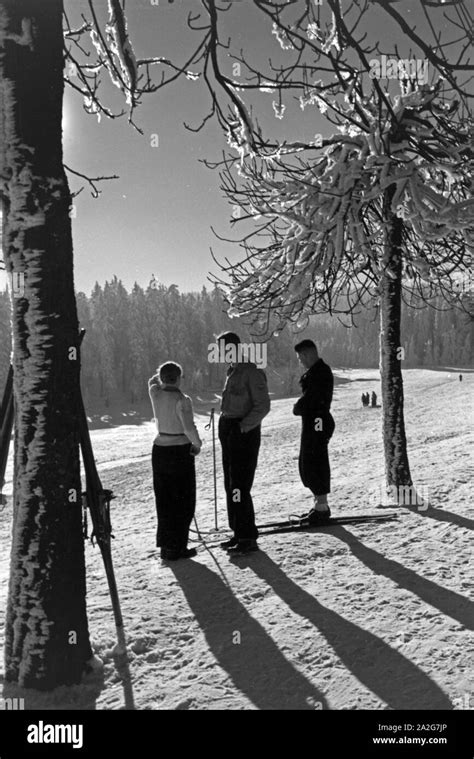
(237, 365)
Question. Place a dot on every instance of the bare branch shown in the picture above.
(95, 192)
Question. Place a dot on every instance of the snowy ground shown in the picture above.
(355, 617)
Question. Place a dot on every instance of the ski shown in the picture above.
(289, 525)
(333, 522)
(97, 499)
(6, 427)
(302, 521)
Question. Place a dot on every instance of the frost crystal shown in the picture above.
(282, 37)
(312, 30)
(279, 109)
(267, 87)
(321, 105)
(332, 39)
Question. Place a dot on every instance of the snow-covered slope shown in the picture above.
(356, 617)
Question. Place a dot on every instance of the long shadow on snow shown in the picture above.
(441, 515)
(382, 669)
(256, 665)
(425, 508)
(448, 602)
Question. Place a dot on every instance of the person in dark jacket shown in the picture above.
(245, 402)
(373, 400)
(317, 428)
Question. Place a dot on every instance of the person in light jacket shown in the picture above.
(174, 449)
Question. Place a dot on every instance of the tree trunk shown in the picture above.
(397, 470)
(47, 637)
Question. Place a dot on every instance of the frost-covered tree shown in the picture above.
(47, 638)
(46, 634)
(377, 207)
(379, 213)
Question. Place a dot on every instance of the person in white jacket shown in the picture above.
(176, 444)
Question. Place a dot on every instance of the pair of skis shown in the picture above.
(302, 521)
(6, 428)
(295, 523)
(96, 499)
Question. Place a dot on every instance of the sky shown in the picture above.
(156, 219)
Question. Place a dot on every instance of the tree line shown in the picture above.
(128, 334)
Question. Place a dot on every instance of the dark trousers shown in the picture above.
(239, 462)
(314, 468)
(174, 482)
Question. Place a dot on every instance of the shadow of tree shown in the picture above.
(448, 602)
(425, 508)
(440, 515)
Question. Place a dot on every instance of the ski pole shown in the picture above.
(212, 424)
(214, 460)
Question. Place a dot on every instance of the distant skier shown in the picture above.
(317, 428)
(460, 378)
(374, 400)
(245, 402)
(174, 449)
(363, 399)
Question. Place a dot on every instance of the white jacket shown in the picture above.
(173, 412)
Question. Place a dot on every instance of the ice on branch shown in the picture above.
(282, 37)
(279, 109)
(267, 87)
(239, 135)
(322, 105)
(104, 59)
(326, 220)
(91, 106)
(120, 46)
(313, 32)
(312, 96)
(332, 39)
